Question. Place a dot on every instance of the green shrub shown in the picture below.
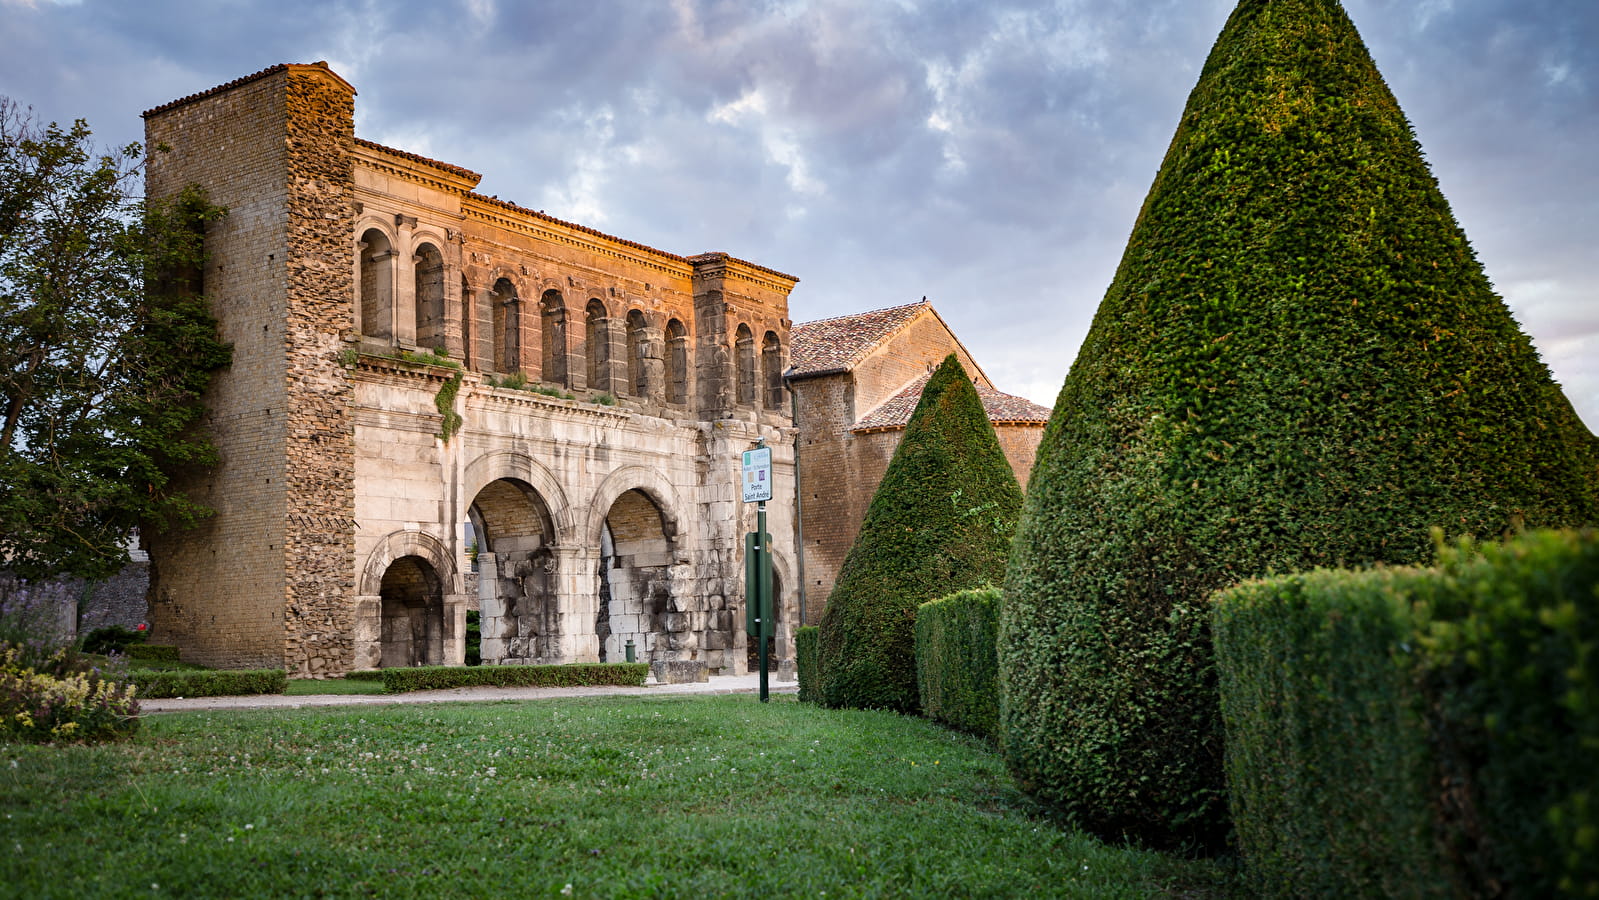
(153, 652)
(1350, 697)
(1299, 363)
(957, 660)
(1512, 649)
(430, 678)
(364, 675)
(209, 683)
(474, 638)
(805, 640)
(940, 521)
(113, 639)
(1328, 765)
(64, 699)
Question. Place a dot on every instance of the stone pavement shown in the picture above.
(718, 684)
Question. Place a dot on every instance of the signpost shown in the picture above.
(758, 618)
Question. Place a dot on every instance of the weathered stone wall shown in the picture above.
(318, 540)
(219, 588)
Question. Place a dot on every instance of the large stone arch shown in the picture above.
(648, 482)
(409, 543)
(510, 464)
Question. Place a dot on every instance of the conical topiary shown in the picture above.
(1299, 362)
(940, 521)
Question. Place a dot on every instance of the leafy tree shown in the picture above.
(105, 349)
(1298, 363)
(940, 521)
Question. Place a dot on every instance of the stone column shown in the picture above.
(404, 273)
(577, 598)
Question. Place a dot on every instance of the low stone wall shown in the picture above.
(69, 607)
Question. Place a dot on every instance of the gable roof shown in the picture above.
(828, 346)
(1002, 408)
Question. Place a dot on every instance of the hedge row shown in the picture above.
(957, 663)
(152, 652)
(208, 683)
(429, 678)
(1418, 732)
(805, 661)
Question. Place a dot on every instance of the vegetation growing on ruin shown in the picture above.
(616, 797)
(940, 521)
(105, 349)
(1298, 363)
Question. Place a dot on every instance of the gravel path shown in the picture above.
(718, 684)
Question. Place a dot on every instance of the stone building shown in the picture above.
(856, 380)
(604, 390)
(434, 389)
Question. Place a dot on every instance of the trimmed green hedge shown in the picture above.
(208, 683)
(152, 652)
(957, 663)
(1349, 697)
(364, 675)
(1298, 363)
(941, 520)
(1327, 760)
(805, 661)
(430, 678)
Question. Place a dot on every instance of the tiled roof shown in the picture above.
(413, 157)
(269, 70)
(1002, 408)
(834, 345)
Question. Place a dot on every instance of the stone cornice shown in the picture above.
(511, 217)
(413, 168)
(483, 395)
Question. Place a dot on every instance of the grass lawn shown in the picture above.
(694, 797)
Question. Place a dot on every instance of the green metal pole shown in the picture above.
(762, 590)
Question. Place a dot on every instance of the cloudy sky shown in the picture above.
(988, 154)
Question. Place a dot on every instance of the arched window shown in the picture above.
(507, 327)
(429, 297)
(772, 371)
(637, 374)
(377, 285)
(597, 345)
(552, 318)
(744, 353)
(676, 362)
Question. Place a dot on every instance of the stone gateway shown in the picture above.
(441, 402)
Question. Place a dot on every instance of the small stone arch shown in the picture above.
(771, 371)
(676, 362)
(428, 275)
(505, 297)
(552, 328)
(597, 344)
(375, 259)
(399, 544)
(744, 363)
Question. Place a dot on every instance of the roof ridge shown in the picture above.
(867, 312)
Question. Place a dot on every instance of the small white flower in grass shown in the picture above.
(567, 891)
(248, 825)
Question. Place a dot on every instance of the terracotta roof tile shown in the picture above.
(269, 70)
(837, 344)
(1002, 408)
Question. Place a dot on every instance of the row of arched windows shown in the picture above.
(625, 356)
